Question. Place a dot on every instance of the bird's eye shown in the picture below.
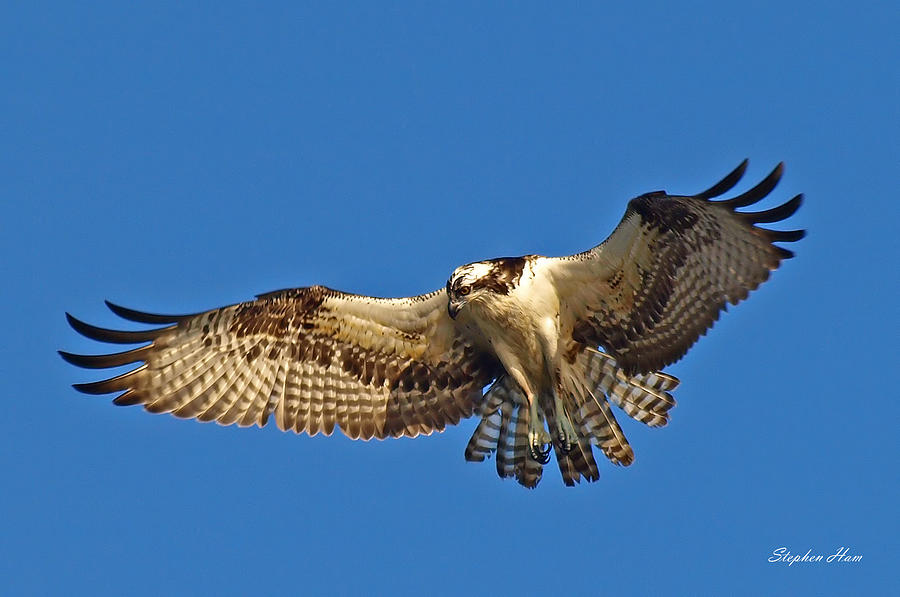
(465, 290)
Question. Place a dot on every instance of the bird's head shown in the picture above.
(476, 281)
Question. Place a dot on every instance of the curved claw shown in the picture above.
(565, 445)
(566, 437)
(540, 454)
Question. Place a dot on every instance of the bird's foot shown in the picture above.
(539, 443)
(538, 438)
(566, 437)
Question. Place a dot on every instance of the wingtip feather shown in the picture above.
(776, 214)
(757, 192)
(783, 236)
(104, 361)
(141, 316)
(108, 386)
(69, 357)
(129, 398)
(113, 336)
(726, 184)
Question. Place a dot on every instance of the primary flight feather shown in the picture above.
(557, 339)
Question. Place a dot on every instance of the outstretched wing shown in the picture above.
(315, 357)
(649, 291)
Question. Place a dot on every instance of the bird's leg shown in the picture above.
(538, 438)
(565, 431)
(539, 441)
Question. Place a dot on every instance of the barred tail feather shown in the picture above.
(643, 397)
(484, 441)
(595, 380)
(596, 421)
(528, 470)
(578, 462)
(504, 429)
(506, 465)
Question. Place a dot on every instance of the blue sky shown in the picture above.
(179, 157)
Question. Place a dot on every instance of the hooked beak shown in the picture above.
(453, 308)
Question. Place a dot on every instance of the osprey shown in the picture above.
(557, 339)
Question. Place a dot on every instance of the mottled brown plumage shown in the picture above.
(688, 258)
(318, 359)
(302, 355)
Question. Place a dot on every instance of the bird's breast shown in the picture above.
(520, 336)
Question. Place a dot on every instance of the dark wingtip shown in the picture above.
(113, 384)
(92, 388)
(726, 184)
(104, 361)
(784, 253)
(113, 336)
(85, 329)
(776, 214)
(69, 357)
(758, 192)
(783, 236)
(141, 317)
(129, 398)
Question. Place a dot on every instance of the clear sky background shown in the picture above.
(178, 157)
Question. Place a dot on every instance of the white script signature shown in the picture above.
(842, 556)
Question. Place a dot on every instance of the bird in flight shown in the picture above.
(556, 339)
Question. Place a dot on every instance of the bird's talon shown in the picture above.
(566, 438)
(565, 441)
(540, 453)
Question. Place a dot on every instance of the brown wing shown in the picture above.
(662, 278)
(315, 357)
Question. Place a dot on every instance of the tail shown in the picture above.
(578, 462)
(644, 397)
(594, 377)
(504, 429)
